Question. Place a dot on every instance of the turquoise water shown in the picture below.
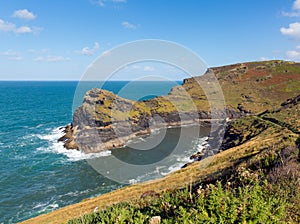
(37, 174)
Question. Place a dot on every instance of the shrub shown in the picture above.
(253, 204)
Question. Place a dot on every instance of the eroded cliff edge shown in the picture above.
(106, 121)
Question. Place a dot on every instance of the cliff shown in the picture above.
(262, 146)
(255, 150)
(106, 121)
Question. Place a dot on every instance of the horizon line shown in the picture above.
(67, 80)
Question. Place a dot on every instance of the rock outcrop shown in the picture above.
(105, 120)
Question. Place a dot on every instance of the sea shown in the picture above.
(37, 175)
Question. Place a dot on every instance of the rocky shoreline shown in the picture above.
(250, 144)
(105, 121)
(91, 134)
(69, 135)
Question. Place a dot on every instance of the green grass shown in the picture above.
(215, 204)
(250, 194)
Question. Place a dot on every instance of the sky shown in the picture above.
(58, 40)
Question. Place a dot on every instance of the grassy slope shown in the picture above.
(255, 148)
(261, 149)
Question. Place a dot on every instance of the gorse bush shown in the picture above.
(214, 204)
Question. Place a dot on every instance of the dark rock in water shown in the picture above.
(68, 137)
(187, 164)
(198, 156)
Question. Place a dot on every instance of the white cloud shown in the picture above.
(9, 53)
(128, 25)
(11, 27)
(291, 14)
(294, 55)
(293, 30)
(23, 29)
(24, 14)
(51, 58)
(7, 26)
(102, 3)
(105, 53)
(295, 10)
(88, 50)
(42, 51)
(12, 55)
(148, 69)
(296, 5)
(263, 59)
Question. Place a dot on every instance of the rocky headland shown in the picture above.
(105, 120)
(261, 143)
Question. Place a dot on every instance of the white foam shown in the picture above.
(55, 134)
(30, 136)
(199, 146)
(42, 207)
(134, 141)
(133, 181)
(39, 125)
(155, 131)
(173, 168)
(39, 205)
(184, 159)
(141, 139)
(75, 193)
(57, 147)
(18, 157)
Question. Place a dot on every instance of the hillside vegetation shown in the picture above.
(254, 179)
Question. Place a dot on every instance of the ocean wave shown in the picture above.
(57, 147)
(173, 168)
(20, 157)
(175, 161)
(29, 136)
(75, 193)
(55, 134)
(39, 125)
(45, 207)
(200, 144)
(184, 159)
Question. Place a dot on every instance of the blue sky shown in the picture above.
(57, 40)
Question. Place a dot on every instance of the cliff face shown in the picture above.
(106, 121)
